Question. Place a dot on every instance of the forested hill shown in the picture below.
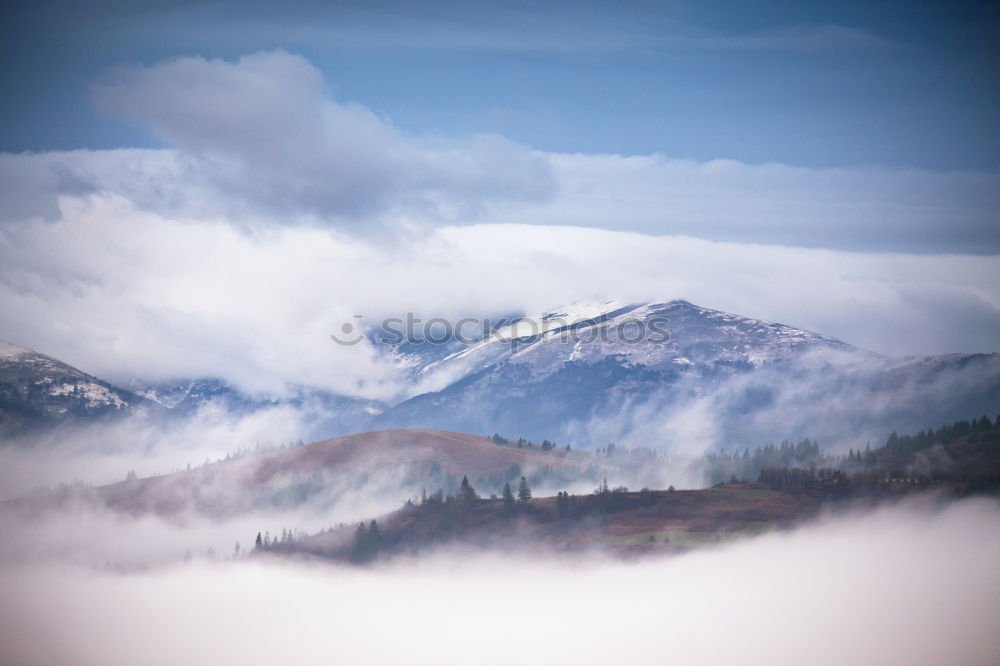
(952, 461)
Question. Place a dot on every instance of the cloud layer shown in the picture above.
(911, 584)
(276, 213)
(261, 139)
(124, 292)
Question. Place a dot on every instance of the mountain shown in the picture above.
(667, 374)
(36, 389)
(577, 374)
(671, 336)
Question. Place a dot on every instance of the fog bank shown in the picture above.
(912, 584)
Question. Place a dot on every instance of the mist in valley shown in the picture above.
(913, 583)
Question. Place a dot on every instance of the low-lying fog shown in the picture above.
(916, 583)
(103, 452)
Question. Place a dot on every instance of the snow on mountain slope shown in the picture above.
(35, 388)
(696, 335)
(584, 373)
(39, 391)
(653, 335)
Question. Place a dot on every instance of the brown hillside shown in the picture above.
(329, 466)
(457, 453)
(618, 523)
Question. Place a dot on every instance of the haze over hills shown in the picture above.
(669, 375)
(390, 464)
(329, 412)
(797, 484)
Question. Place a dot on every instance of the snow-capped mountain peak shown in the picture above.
(657, 334)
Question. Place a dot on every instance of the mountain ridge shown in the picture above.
(36, 389)
(563, 375)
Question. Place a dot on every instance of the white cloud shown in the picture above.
(264, 133)
(236, 252)
(260, 140)
(125, 292)
(101, 453)
(861, 208)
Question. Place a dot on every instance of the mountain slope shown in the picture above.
(669, 335)
(666, 374)
(577, 358)
(725, 379)
(36, 389)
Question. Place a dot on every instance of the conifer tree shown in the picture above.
(523, 491)
(363, 542)
(467, 492)
(508, 494)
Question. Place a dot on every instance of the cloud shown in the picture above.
(504, 29)
(856, 209)
(507, 28)
(101, 452)
(237, 250)
(802, 38)
(910, 584)
(264, 132)
(861, 400)
(123, 292)
(260, 141)
(860, 208)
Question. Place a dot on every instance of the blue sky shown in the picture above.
(810, 84)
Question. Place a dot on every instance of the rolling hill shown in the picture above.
(397, 463)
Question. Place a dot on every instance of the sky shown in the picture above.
(194, 189)
(898, 84)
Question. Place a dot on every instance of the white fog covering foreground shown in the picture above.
(913, 584)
